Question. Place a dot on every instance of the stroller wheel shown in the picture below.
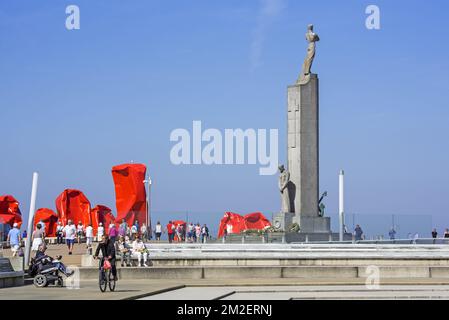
(40, 281)
(60, 282)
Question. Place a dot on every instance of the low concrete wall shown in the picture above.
(319, 272)
(11, 279)
(147, 273)
(259, 272)
(159, 262)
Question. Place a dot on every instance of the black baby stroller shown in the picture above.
(46, 270)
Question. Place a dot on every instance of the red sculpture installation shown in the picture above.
(73, 205)
(130, 194)
(49, 218)
(9, 211)
(235, 223)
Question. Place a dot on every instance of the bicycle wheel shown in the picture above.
(111, 280)
(102, 281)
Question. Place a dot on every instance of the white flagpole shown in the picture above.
(31, 219)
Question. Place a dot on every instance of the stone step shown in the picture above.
(270, 272)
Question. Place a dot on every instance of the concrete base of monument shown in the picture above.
(315, 237)
(313, 224)
(311, 228)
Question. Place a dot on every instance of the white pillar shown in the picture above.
(31, 219)
(341, 203)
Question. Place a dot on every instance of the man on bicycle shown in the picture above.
(107, 248)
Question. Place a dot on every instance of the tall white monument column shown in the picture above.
(303, 155)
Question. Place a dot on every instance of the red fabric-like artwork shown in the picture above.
(235, 223)
(104, 215)
(256, 221)
(49, 218)
(9, 211)
(130, 194)
(73, 205)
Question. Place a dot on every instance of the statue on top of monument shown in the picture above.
(284, 180)
(311, 37)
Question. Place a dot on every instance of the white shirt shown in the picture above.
(70, 232)
(100, 231)
(80, 228)
(89, 231)
(133, 229)
(158, 228)
(138, 246)
(143, 229)
(229, 228)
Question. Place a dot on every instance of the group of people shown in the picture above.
(184, 232)
(435, 233)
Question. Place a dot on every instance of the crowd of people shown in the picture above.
(359, 234)
(188, 232)
(130, 238)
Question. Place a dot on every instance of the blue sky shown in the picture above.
(75, 103)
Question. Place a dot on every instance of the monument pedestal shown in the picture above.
(303, 156)
(283, 220)
(313, 224)
(307, 224)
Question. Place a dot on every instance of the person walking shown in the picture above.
(358, 233)
(14, 239)
(70, 235)
(170, 231)
(79, 232)
(204, 233)
(59, 233)
(144, 232)
(198, 232)
(179, 232)
(113, 233)
(134, 231)
(37, 238)
(446, 233)
(89, 238)
(158, 231)
(392, 234)
(100, 231)
(41, 222)
(190, 231)
(24, 237)
(434, 233)
(123, 229)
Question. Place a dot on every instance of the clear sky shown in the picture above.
(75, 103)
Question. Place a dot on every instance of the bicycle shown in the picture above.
(106, 278)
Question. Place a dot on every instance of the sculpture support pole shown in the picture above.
(31, 218)
(341, 203)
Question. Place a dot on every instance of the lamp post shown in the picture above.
(341, 203)
(148, 182)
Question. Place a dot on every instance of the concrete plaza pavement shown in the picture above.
(250, 289)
